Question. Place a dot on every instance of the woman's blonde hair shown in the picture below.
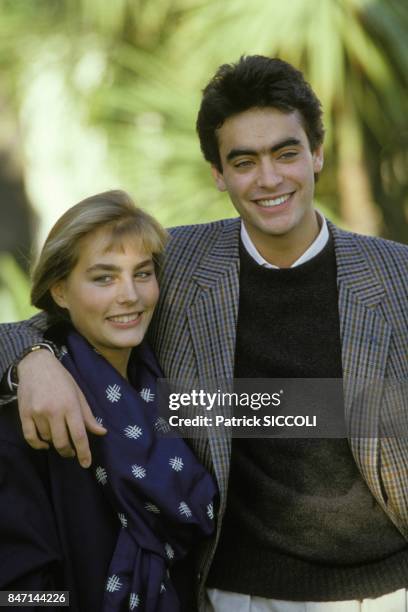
(113, 210)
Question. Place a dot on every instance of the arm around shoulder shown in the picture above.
(15, 338)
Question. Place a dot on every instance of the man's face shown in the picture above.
(268, 170)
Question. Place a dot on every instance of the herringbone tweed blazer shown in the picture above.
(194, 328)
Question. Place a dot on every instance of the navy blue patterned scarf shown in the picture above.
(162, 495)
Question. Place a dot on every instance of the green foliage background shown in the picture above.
(99, 94)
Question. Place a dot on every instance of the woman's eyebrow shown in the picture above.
(103, 266)
(112, 268)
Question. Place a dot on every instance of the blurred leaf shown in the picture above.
(136, 68)
(14, 291)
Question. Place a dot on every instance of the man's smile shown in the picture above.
(272, 202)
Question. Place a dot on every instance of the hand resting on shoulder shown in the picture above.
(53, 408)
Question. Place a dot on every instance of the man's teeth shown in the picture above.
(124, 318)
(274, 202)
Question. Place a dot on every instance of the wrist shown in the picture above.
(13, 372)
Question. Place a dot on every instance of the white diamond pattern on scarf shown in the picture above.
(101, 475)
(134, 601)
(147, 394)
(113, 584)
(138, 471)
(176, 463)
(113, 393)
(185, 510)
(133, 431)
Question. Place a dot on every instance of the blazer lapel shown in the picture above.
(365, 337)
(212, 320)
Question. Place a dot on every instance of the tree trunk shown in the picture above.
(357, 207)
(16, 214)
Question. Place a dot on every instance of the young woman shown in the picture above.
(108, 535)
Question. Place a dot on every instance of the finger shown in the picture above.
(78, 432)
(78, 435)
(60, 438)
(42, 427)
(91, 423)
(31, 435)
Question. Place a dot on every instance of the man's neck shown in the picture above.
(284, 250)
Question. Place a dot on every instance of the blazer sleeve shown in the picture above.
(30, 551)
(16, 337)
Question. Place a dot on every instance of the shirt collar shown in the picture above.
(317, 245)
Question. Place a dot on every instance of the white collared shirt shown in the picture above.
(317, 245)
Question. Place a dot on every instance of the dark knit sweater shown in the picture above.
(301, 524)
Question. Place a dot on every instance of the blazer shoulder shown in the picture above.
(386, 251)
(190, 244)
(198, 231)
(371, 245)
(388, 260)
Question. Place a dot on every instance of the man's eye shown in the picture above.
(288, 154)
(244, 163)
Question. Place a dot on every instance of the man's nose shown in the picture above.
(269, 175)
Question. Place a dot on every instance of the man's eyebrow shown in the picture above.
(238, 152)
(106, 267)
(288, 142)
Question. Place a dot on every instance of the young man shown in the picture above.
(277, 293)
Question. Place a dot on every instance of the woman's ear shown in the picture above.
(58, 294)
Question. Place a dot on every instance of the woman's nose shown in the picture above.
(127, 291)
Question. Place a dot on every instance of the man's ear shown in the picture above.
(218, 178)
(58, 294)
(318, 159)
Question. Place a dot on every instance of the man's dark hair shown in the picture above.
(256, 82)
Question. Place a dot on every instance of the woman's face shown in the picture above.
(110, 295)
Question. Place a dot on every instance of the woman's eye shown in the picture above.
(106, 278)
(144, 274)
